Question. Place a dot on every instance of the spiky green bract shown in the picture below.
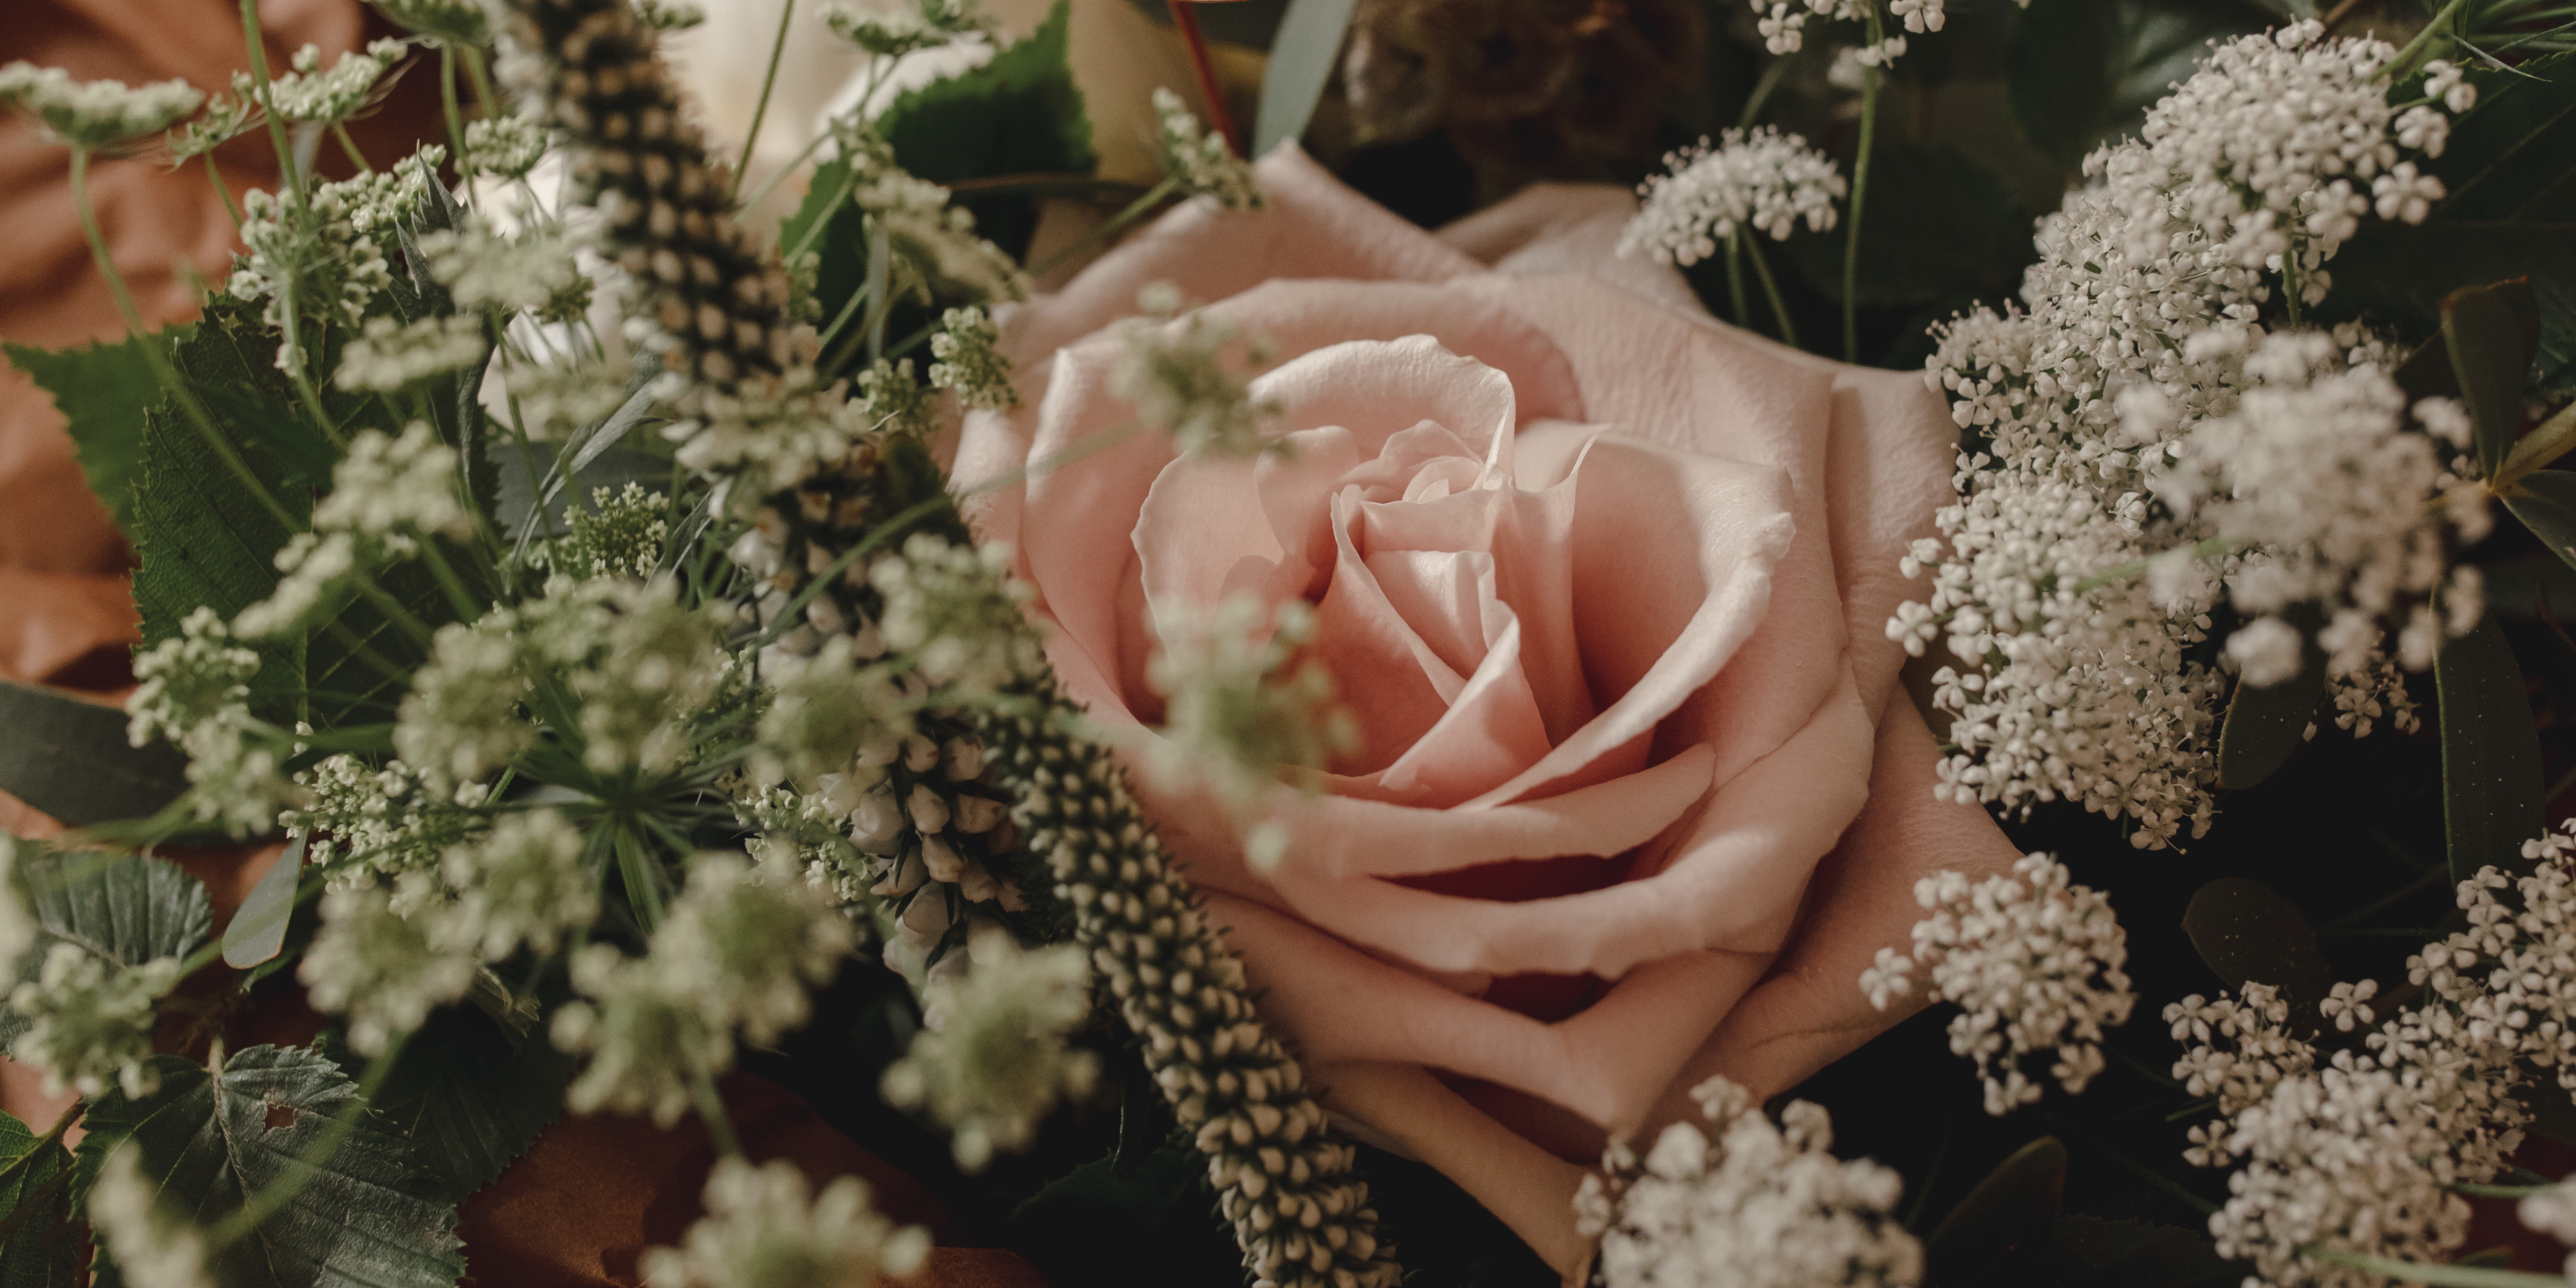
(1285, 1182)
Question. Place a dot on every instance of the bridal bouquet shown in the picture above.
(1236, 737)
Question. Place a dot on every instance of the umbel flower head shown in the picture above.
(92, 1021)
(1239, 714)
(1177, 370)
(151, 1248)
(1756, 1206)
(99, 115)
(1763, 180)
(1203, 164)
(765, 1228)
(999, 1063)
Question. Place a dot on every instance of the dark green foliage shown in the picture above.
(103, 390)
(39, 1240)
(70, 758)
(2081, 72)
(471, 1096)
(2491, 781)
(2248, 933)
(1018, 114)
(371, 1216)
(2012, 1209)
(123, 909)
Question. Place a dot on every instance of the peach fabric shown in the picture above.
(592, 1193)
(1605, 584)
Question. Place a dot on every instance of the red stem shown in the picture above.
(1185, 17)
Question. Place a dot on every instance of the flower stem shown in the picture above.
(1771, 76)
(1135, 210)
(1771, 289)
(1869, 78)
(224, 191)
(760, 111)
(2554, 438)
(1186, 20)
(340, 131)
(2441, 1276)
(711, 1110)
(292, 181)
(447, 103)
(179, 391)
(2403, 64)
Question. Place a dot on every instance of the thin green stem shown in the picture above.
(223, 190)
(711, 1110)
(2403, 65)
(482, 81)
(770, 184)
(447, 103)
(1869, 79)
(2416, 1272)
(179, 391)
(2290, 283)
(1134, 211)
(259, 88)
(805, 241)
(296, 370)
(340, 131)
(1771, 76)
(1735, 279)
(760, 111)
(1771, 290)
(2497, 1191)
(403, 618)
(2551, 439)
(2376, 906)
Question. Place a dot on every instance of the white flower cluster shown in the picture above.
(483, 269)
(1783, 23)
(92, 1021)
(151, 1248)
(2553, 1212)
(387, 355)
(524, 883)
(765, 1228)
(384, 956)
(900, 32)
(325, 250)
(1203, 164)
(194, 690)
(623, 534)
(387, 495)
(2032, 961)
(2315, 474)
(2358, 1152)
(506, 146)
(997, 1063)
(1176, 370)
(309, 95)
(98, 115)
(934, 242)
(380, 820)
(968, 361)
(2141, 321)
(1238, 717)
(776, 433)
(737, 950)
(1764, 180)
(1758, 1207)
(955, 610)
(554, 399)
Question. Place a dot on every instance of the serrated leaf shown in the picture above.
(102, 391)
(203, 538)
(123, 909)
(1302, 56)
(2246, 933)
(471, 1097)
(369, 1214)
(1019, 113)
(2491, 784)
(2266, 723)
(2545, 501)
(2484, 331)
(2011, 1209)
(40, 1244)
(70, 759)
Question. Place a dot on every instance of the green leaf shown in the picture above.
(369, 1214)
(2265, 724)
(70, 759)
(2491, 784)
(1302, 57)
(39, 1243)
(2100, 1253)
(2078, 72)
(472, 1097)
(2513, 155)
(2013, 1208)
(1019, 113)
(2545, 501)
(123, 909)
(203, 538)
(2248, 934)
(2483, 330)
(102, 390)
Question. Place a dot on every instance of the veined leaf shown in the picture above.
(39, 1242)
(1301, 63)
(2246, 933)
(1017, 114)
(123, 909)
(258, 929)
(2491, 784)
(472, 1097)
(103, 390)
(2395, 275)
(2545, 501)
(70, 759)
(367, 1216)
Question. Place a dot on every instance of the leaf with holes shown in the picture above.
(366, 1215)
(123, 909)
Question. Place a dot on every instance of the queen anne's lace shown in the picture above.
(996, 1064)
(766, 1228)
(1764, 180)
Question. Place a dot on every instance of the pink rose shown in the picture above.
(1606, 585)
